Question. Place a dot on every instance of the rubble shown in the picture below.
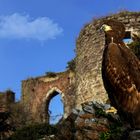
(92, 122)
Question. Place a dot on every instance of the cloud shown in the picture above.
(17, 26)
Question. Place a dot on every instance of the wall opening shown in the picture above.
(127, 39)
(54, 108)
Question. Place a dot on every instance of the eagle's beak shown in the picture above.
(106, 28)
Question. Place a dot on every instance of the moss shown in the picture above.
(105, 136)
(115, 132)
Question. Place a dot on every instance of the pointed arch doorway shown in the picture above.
(54, 106)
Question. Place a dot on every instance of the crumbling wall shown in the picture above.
(6, 99)
(85, 84)
(89, 49)
(37, 93)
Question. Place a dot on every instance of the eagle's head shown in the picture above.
(113, 29)
(106, 28)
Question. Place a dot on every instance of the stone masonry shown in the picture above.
(37, 93)
(89, 50)
(6, 99)
(85, 83)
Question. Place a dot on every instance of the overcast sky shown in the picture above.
(37, 36)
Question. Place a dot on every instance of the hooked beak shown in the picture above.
(106, 28)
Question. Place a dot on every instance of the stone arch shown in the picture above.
(36, 91)
(46, 101)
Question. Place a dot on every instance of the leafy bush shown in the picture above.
(51, 74)
(19, 116)
(105, 136)
(115, 131)
(71, 65)
(33, 132)
(135, 47)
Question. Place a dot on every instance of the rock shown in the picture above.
(134, 135)
(66, 129)
(81, 112)
(86, 135)
(87, 116)
(92, 122)
(79, 135)
(79, 123)
(89, 134)
(97, 105)
(87, 107)
(51, 137)
(75, 111)
(103, 121)
(107, 106)
(88, 125)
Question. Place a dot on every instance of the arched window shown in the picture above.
(54, 108)
(127, 39)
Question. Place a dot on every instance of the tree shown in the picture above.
(71, 65)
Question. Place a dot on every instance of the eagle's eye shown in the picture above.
(106, 27)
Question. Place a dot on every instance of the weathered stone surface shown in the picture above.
(37, 93)
(89, 49)
(134, 135)
(95, 126)
(88, 108)
(88, 126)
(83, 85)
(66, 128)
(7, 98)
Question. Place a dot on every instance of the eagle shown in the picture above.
(121, 73)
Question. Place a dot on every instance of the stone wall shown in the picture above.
(37, 93)
(89, 50)
(6, 99)
(83, 85)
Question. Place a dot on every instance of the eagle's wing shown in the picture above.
(123, 72)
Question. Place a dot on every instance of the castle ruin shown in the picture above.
(85, 83)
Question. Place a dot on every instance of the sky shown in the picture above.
(37, 36)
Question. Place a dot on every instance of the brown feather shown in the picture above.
(121, 74)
